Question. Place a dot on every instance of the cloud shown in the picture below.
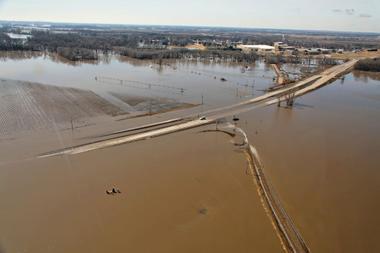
(351, 12)
(364, 15)
(348, 12)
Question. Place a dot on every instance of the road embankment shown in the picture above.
(298, 89)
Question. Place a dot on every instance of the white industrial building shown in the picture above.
(256, 48)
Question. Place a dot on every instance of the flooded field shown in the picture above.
(186, 81)
(30, 106)
(321, 157)
(189, 191)
(123, 86)
(185, 192)
(26, 106)
(169, 201)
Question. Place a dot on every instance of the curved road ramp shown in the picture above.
(291, 239)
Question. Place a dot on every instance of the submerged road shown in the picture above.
(298, 89)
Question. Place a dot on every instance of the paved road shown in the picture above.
(299, 89)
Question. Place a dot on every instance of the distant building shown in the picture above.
(16, 36)
(317, 51)
(261, 49)
(232, 44)
(26, 31)
(278, 45)
(282, 47)
(151, 44)
(18, 39)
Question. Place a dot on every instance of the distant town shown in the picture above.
(83, 42)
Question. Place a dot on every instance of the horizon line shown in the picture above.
(195, 26)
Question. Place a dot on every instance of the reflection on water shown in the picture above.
(364, 76)
(200, 79)
(19, 55)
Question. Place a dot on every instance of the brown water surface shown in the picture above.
(322, 159)
(187, 192)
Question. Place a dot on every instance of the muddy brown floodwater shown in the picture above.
(322, 159)
(187, 192)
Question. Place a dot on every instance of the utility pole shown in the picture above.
(72, 125)
(202, 105)
(150, 106)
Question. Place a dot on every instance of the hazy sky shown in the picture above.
(345, 15)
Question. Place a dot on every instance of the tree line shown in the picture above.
(181, 53)
(75, 43)
(368, 65)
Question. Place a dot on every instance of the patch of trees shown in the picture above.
(368, 65)
(218, 41)
(295, 59)
(144, 54)
(91, 40)
(7, 44)
(327, 61)
(231, 55)
(333, 42)
(277, 59)
(77, 54)
(226, 55)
